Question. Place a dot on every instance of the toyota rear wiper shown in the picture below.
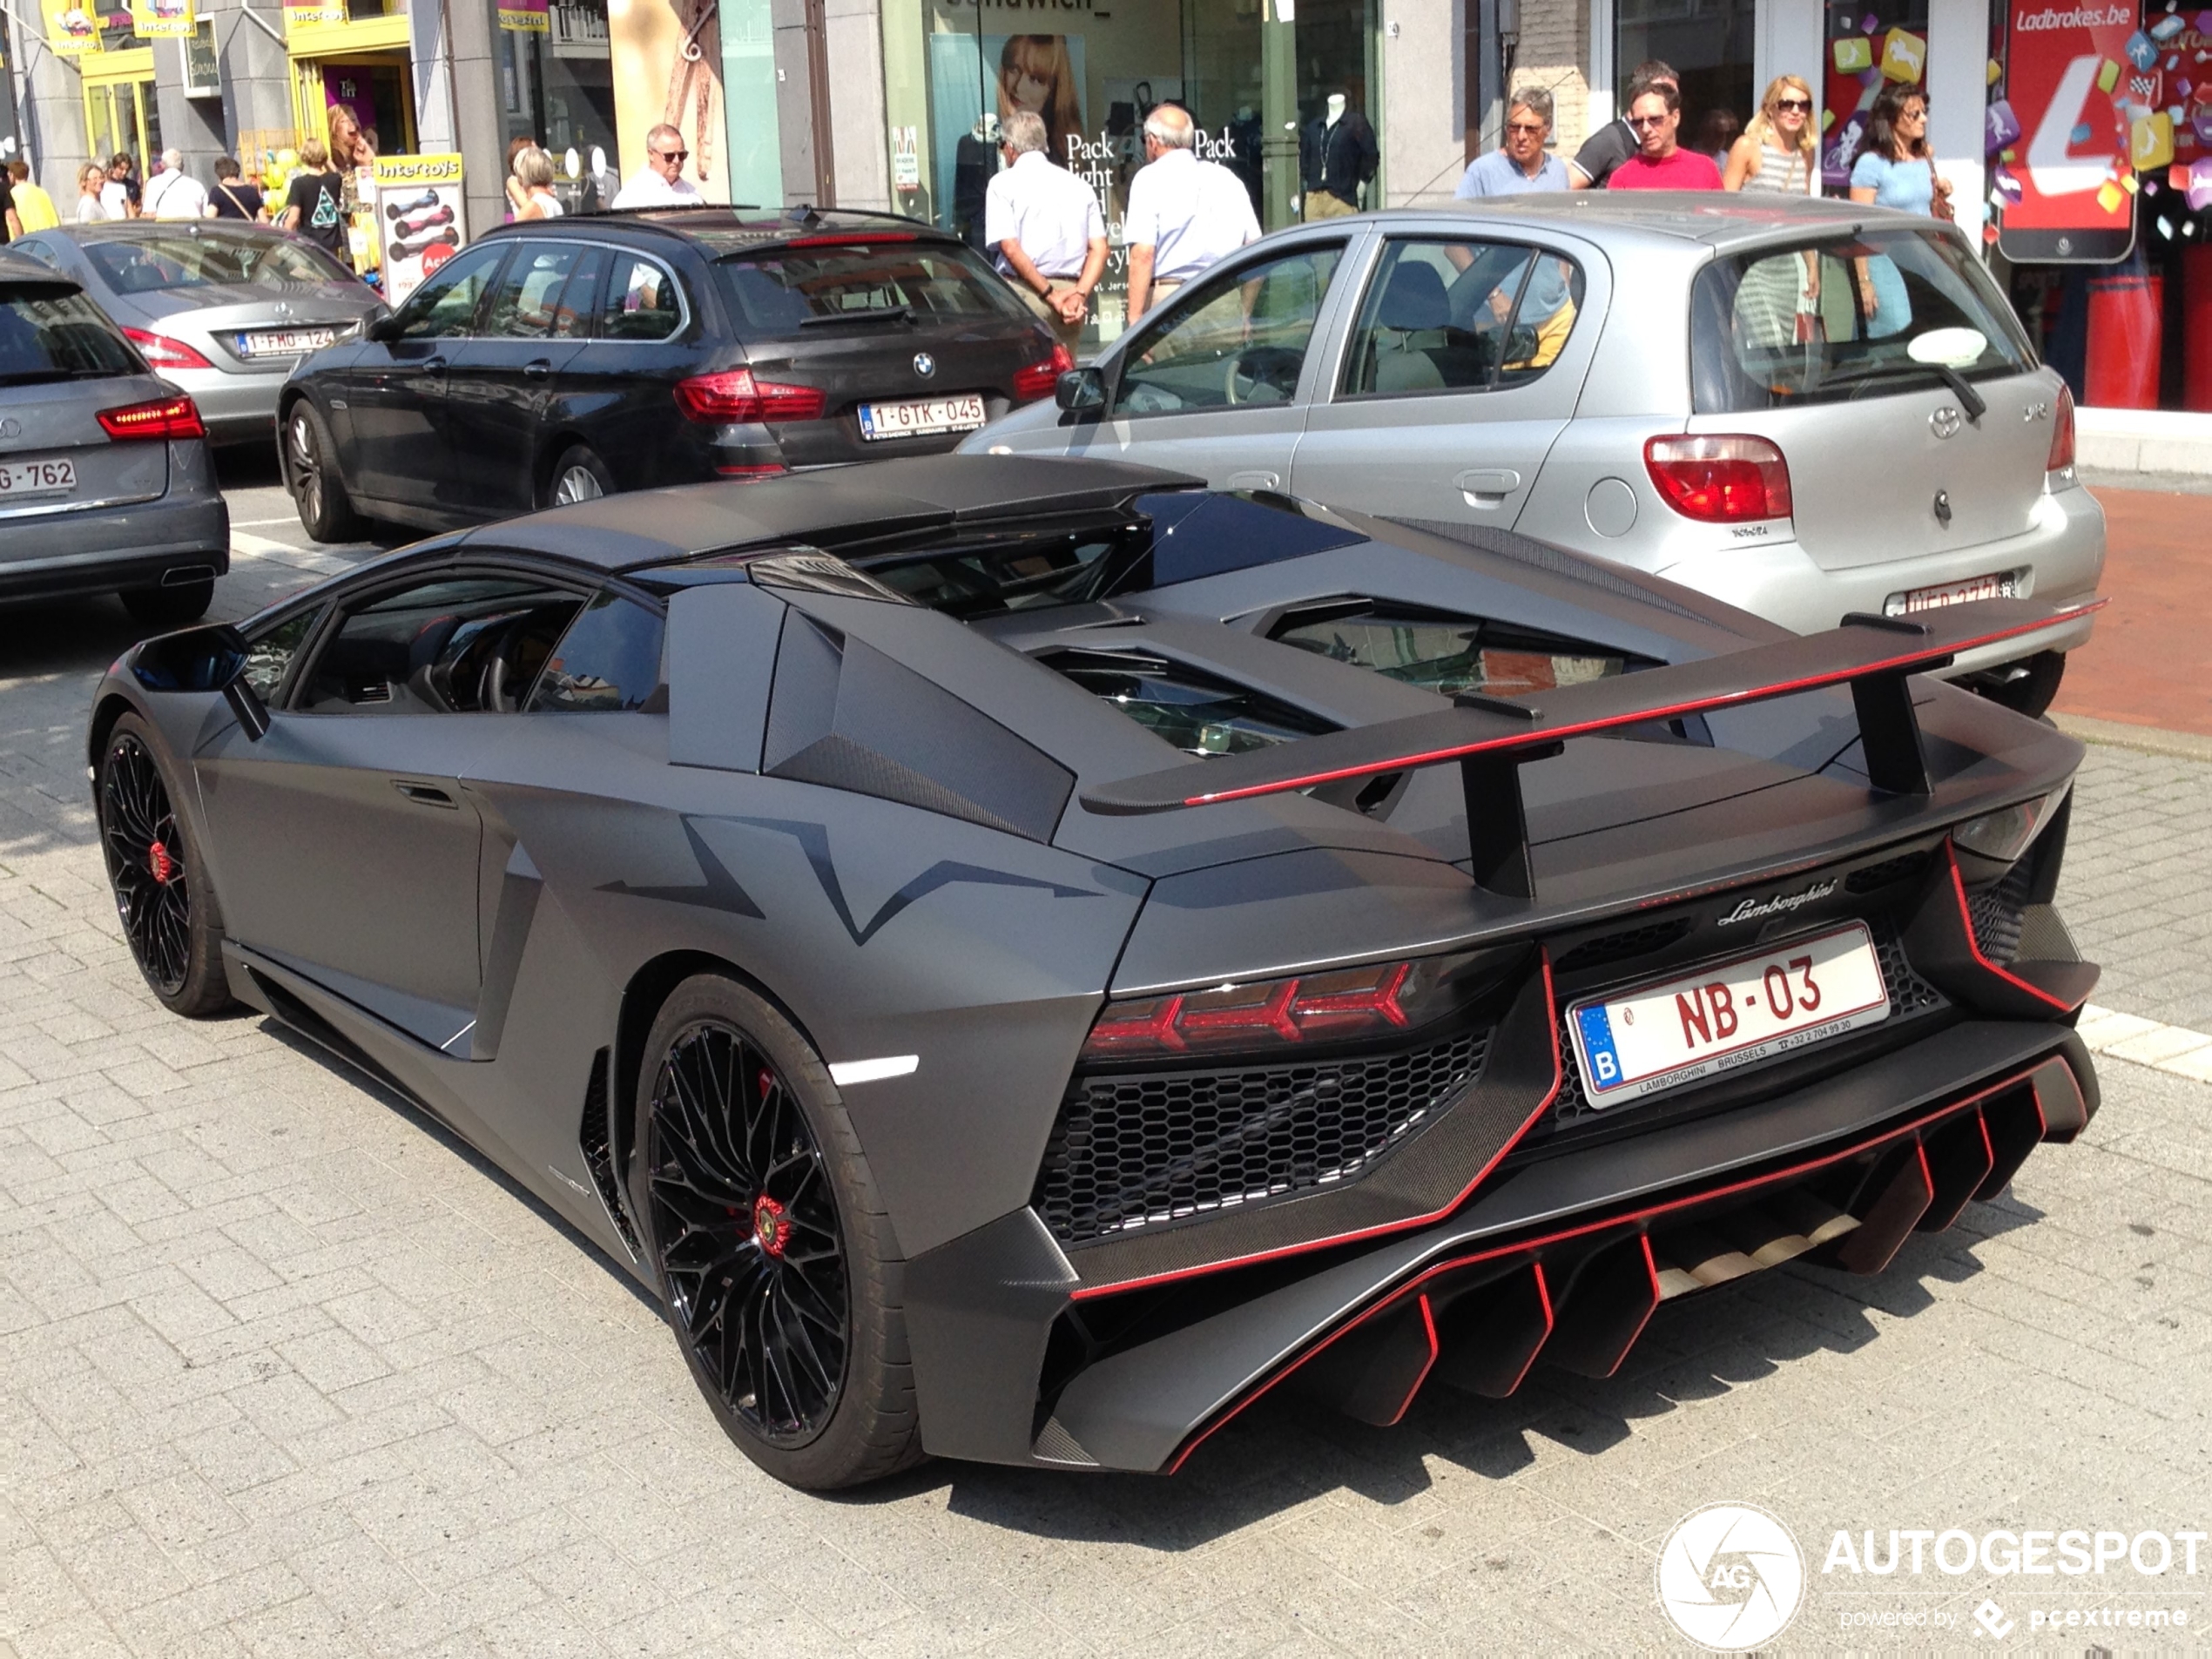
(1961, 388)
(881, 313)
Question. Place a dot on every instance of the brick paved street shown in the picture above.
(285, 1369)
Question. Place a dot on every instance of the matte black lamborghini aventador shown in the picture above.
(1024, 956)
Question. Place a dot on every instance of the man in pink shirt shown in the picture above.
(1655, 114)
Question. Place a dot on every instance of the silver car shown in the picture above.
(1804, 408)
(223, 309)
(105, 482)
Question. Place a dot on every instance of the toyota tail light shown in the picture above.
(1039, 378)
(1375, 1001)
(165, 417)
(2061, 456)
(734, 397)
(1720, 478)
(161, 352)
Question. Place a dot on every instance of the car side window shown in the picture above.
(1446, 315)
(445, 306)
(524, 303)
(1241, 338)
(641, 302)
(451, 645)
(608, 660)
(269, 656)
(572, 313)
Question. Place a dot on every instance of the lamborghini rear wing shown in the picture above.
(1490, 737)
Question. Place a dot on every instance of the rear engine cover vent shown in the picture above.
(1199, 712)
(1131, 1151)
(1625, 946)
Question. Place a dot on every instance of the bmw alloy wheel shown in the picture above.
(575, 484)
(747, 1230)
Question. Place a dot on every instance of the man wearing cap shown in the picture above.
(1184, 214)
(1042, 226)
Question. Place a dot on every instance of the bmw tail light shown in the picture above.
(2062, 456)
(161, 352)
(735, 398)
(1038, 379)
(1376, 1001)
(165, 417)
(1721, 479)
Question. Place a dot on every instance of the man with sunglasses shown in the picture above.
(1661, 162)
(660, 182)
(1614, 142)
(1520, 163)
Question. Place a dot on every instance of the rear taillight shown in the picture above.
(753, 474)
(1038, 380)
(1721, 479)
(2062, 456)
(166, 417)
(735, 398)
(161, 352)
(1264, 1014)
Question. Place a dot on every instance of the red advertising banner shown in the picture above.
(2075, 91)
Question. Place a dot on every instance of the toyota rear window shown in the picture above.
(845, 283)
(51, 332)
(1868, 315)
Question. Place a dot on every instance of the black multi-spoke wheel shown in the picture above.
(774, 1259)
(160, 888)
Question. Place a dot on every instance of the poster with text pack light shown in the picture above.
(419, 218)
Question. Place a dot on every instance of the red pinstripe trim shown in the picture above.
(1627, 1218)
(1428, 1324)
(1084, 1292)
(1651, 1270)
(1551, 1324)
(1966, 922)
(1666, 711)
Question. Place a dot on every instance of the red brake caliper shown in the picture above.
(163, 865)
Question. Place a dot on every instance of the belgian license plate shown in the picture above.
(284, 342)
(1999, 586)
(918, 417)
(21, 478)
(1794, 994)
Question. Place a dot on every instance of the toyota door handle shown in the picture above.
(425, 795)
(1486, 486)
(538, 369)
(1254, 481)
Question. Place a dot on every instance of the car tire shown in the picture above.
(327, 512)
(579, 474)
(2030, 693)
(162, 894)
(170, 607)
(778, 1268)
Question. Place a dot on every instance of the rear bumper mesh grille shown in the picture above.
(1134, 1150)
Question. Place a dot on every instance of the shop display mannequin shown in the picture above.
(1337, 156)
(976, 159)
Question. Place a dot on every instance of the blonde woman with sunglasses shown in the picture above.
(1779, 150)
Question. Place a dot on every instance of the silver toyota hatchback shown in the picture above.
(1803, 408)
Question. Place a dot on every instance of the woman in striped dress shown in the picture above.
(1778, 153)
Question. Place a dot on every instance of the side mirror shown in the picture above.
(210, 659)
(383, 327)
(1080, 391)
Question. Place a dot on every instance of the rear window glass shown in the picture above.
(56, 334)
(1199, 712)
(1863, 316)
(206, 259)
(1447, 654)
(852, 284)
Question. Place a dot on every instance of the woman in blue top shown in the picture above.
(1895, 169)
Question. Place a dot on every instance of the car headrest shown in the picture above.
(1415, 298)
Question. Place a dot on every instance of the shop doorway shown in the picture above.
(122, 117)
(559, 88)
(378, 89)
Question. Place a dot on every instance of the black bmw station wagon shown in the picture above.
(558, 359)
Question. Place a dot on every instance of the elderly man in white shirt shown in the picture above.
(172, 192)
(1043, 226)
(660, 182)
(1184, 214)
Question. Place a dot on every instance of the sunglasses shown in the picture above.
(1536, 127)
(673, 155)
(1640, 122)
(1805, 104)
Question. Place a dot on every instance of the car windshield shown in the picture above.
(857, 282)
(197, 258)
(1865, 315)
(51, 332)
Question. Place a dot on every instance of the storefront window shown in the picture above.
(557, 86)
(953, 71)
(1870, 42)
(1709, 43)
